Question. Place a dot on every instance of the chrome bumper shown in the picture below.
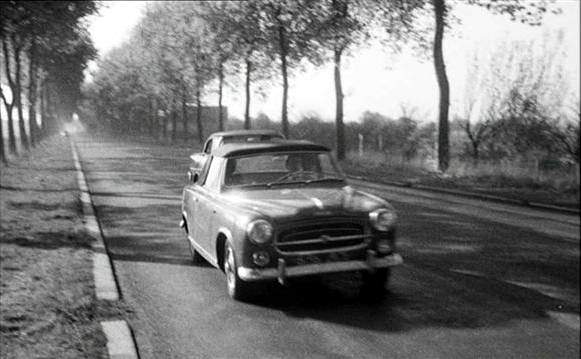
(282, 272)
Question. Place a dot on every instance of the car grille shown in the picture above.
(321, 236)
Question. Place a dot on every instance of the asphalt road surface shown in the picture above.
(481, 280)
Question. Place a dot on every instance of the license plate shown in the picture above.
(316, 259)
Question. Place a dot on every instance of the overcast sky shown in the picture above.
(373, 80)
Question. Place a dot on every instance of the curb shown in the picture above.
(120, 343)
(485, 197)
(120, 340)
(105, 284)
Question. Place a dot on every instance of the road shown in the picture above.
(481, 279)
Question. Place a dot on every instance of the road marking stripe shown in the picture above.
(120, 343)
(544, 289)
(105, 285)
(570, 320)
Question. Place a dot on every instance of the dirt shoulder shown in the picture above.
(47, 303)
(519, 190)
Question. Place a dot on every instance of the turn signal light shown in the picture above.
(260, 258)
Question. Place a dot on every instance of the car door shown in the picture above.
(191, 201)
(208, 196)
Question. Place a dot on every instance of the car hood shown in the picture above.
(304, 201)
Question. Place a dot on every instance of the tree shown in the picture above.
(349, 23)
(244, 17)
(215, 14)
(49, 36)
(527, 12)
(290, 29)
(514, 96)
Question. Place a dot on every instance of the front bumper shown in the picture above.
(371, 263)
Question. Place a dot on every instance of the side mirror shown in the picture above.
(192, 177)
(198, 160)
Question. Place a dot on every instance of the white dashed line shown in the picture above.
(570, 320)
(119, 340)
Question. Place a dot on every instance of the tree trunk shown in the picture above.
(185, 116)
(247, 107)
(43, 109)
(32, 93)
(475, 151)
(164, 125)
(283, 59)
(199, 116)
(174, 124)
(340, 130)
(152, 117)
(18, 98)
(2, 153)
(220, 88)
(12, 148)
(443, 135)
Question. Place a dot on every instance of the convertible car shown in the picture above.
(281, 209)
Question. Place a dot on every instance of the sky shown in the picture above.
(373, 79)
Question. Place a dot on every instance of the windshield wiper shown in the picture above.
(270, 184)
(325, 179)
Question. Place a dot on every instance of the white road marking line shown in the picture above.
(468, 272)
(570, 320)
(544, 289)
(317, 202)
(105, 284)
(119, 340)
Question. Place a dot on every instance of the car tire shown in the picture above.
(237, 288)
(375, 282)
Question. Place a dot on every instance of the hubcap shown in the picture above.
(229, 268)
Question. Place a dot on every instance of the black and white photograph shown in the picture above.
(270, 179)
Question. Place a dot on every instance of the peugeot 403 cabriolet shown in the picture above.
(276, 210)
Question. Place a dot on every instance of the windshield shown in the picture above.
(249, 138)
(280, 168)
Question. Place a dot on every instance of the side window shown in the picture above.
(208, 146)
(216, 143)
(213, 178)
(204, 172)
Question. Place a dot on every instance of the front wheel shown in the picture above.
(375, 282)
(237, 288)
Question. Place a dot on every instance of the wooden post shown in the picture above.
(360, 136)
(577, 181)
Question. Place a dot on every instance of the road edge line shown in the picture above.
(120, 343)
(106, 287)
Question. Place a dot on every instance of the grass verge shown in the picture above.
(518, 186)
(47, 303)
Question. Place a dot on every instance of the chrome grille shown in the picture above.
(321, 236)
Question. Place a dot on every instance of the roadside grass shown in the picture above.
(47, 303)
(515, 180)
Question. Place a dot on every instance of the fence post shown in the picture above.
(360, 136)
(577, 181)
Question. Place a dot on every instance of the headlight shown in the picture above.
(259, 231)
(382, 219)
